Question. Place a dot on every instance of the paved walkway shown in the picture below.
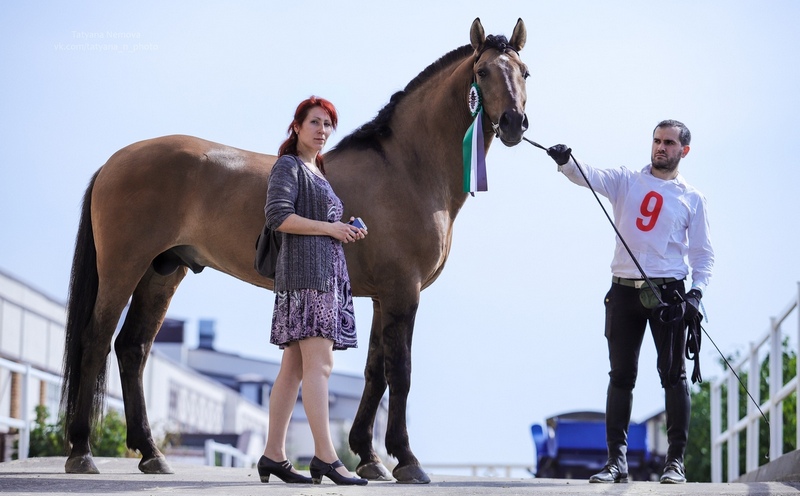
(120, 477)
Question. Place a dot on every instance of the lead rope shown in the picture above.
(696, 340)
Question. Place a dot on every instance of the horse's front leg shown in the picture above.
(398, 311)
(361, 433)
(145, 315)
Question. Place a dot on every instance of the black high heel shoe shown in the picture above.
(282, 470)
(319, 468)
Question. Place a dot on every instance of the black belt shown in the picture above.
(639, 283)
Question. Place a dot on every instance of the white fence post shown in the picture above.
(24, 446)
(753, 383)
(211, 452)
(716, 431)
(733, 437)
(775, 383)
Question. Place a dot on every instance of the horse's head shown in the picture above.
(501, 75)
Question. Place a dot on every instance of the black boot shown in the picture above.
(678, 406)
(618, 416)
(673, 473)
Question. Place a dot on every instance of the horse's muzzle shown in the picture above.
(511, 127)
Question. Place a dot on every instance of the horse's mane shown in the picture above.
(370, 134)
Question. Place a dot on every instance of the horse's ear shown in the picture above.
(520, 35)
(476, 34)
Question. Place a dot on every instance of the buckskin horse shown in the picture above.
(150, 214)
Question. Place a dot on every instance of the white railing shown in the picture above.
(231, 457)
(28, 404)
(778, 391)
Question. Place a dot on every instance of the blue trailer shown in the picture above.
(573, 446)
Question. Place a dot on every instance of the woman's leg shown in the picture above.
(317, 366)
(282, 400)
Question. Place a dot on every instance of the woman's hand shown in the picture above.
(347, 233)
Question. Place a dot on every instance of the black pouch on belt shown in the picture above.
(648, 298)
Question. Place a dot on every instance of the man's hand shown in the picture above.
(559, 153)
(692, 304)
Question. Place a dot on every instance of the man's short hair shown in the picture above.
(684, 135)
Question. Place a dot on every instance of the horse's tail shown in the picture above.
(83, 288)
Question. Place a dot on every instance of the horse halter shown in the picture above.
(502, 47)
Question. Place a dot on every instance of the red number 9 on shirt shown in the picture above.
(650, 209)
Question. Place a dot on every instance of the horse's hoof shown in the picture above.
(81, 465)
(374, 471)
(157, 465)
(411, 474)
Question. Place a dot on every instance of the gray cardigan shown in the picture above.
(304, 262)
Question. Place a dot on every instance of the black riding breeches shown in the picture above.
(626, 321)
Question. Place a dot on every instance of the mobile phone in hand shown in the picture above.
(357, 222)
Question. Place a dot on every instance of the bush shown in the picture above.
(46, 439)
(107, 440)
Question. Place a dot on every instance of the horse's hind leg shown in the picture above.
(87, 401)
(145, 315)
(370, 467)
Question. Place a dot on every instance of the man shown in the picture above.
(663, 221)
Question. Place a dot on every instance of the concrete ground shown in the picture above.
(120, 477)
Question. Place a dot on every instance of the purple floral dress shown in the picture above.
(304, 313)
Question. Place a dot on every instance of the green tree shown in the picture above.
(698, 447)
(789, 407)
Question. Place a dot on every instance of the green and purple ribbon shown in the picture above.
(473, 146)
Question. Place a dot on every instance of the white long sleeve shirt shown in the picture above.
(664, 223)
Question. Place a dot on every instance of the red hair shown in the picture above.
(290, 145)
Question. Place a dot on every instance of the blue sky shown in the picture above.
(512, 332)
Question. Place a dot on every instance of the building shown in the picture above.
(191, 394)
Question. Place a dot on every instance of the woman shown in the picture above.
(313, 304)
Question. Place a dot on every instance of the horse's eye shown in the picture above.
(527, 74)
(481, 73)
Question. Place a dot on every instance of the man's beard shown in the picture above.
(666, 164)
